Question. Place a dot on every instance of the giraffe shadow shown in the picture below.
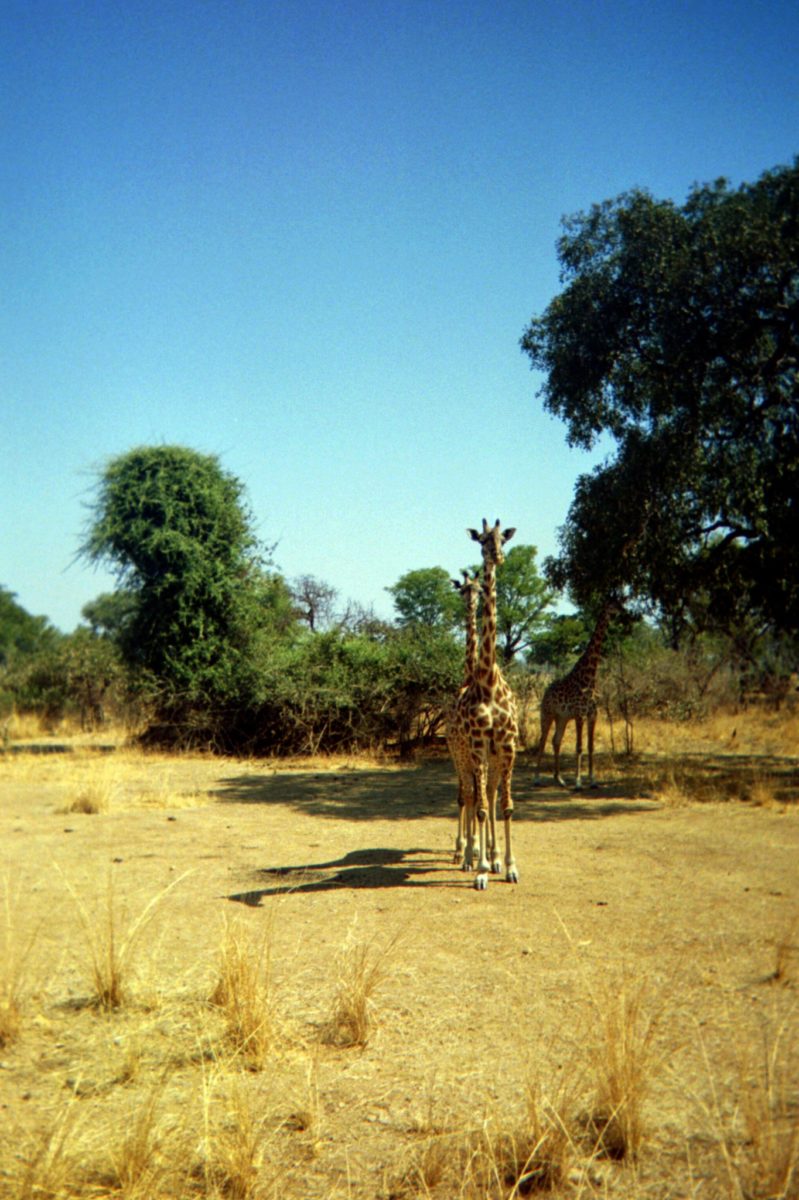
(373, 868)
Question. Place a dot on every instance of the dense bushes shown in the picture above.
(325, 693)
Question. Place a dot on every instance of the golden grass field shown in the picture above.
(254, 979)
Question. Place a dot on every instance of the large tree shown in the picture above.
(426, 597)
(677, 334)
(20, 633)
(174, 526)
(524, 602)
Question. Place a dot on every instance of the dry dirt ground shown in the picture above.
(676, 921)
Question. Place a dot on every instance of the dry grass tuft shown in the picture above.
(244, 992)
(549, 1127)
(472, 1163)
(363, 969)
(236, 1150)
(93, 797)
(757, 1135)
(14, 957)
(137, 1162)
(47, 1165)
(761, 791)
(769, 1162)
(620, 1059)
(111, 947)
(670, 788)
(787, 954)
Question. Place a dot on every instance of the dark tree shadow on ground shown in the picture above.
(427, 790)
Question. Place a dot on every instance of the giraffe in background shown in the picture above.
(574, 698)
(485, 718)
(469, 589)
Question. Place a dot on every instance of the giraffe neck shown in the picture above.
(471, 637)
(487, 658)
(584, 672)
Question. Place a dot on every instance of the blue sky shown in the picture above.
(307, 237)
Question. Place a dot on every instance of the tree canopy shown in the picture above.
(173, 524)
(21, 633)
(426, 597)
(677, 334)
(523, 602)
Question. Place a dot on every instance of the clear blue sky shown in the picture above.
(307, 237)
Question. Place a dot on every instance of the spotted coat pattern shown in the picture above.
(485, 721)
(574, 698)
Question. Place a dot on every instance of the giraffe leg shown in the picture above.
(578, 724)
(464, 785)
(460, 839)
(557, 738)
(468, 822)
(546, 725)
(511, 871)
(591, 726)
(481, 800)
(493, 847)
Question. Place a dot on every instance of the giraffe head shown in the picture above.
(492, 539)
(469, 588)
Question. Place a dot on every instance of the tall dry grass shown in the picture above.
(112, 939)
(244, 993)
(504, 1155)
(363, 968)
(754, 1124)
(622, 1009)
(15, 954)
(621, 1059)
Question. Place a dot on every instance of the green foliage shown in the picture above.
(173, 525)
(560, 644)
(110, 614)
(677, 334)
(523, 601)
(76, 675)
(20, 633)
(337, 691)
(425, 597)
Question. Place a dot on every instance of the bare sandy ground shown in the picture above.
(692, 905)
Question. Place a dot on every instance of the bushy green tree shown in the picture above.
(426, 597)
(560, 643)
(677, 335)
(175, 528)
(524, 602)
(337, 691)
(21, 633)
(110, 614)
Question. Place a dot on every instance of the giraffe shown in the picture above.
(485, 718)
(458, 745)
(573, 698)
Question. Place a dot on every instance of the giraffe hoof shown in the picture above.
(496, 867)
(481, 882)
(512, 875)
